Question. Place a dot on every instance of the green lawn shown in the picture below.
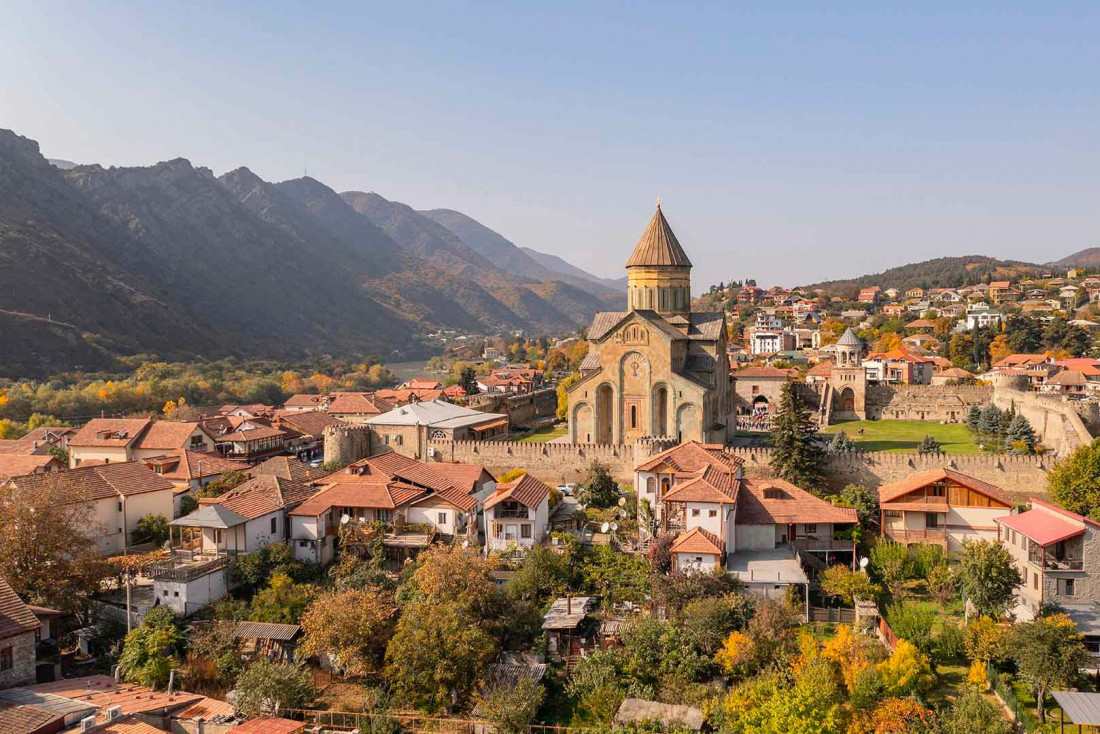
(542, 435)
(906, 435)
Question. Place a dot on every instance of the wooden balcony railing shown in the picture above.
(822, 544)
(931, 535)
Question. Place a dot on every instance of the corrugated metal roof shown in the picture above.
(266, 631)
(1079, 707)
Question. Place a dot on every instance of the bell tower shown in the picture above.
(659, 271)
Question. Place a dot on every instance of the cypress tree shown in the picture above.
(1021, 436)
(797, 457)
(973, 417)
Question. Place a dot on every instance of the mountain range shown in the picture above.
(171, 260)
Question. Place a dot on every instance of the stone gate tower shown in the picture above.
(848, 381)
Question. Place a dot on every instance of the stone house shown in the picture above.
(1057, 553)
(18, 628)
(941, 507)
(517, 514)
(408, 429)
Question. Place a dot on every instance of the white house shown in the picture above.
(113, 440)
(517, 514)
(118, 496)
(981, 316)
(654, 476)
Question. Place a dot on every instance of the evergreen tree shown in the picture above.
(1021, 436)
(841, 444)
(468, 381)
(797, 457)
(973, 417)
(929, 446)
(989, 423)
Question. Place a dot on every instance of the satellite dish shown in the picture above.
(622, 513)
(604, 528)
(363, 519)
(614, 526)
(344, 519)
(863, 562)
(465, 544)
(622, 502)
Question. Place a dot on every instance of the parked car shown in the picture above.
(567, 489)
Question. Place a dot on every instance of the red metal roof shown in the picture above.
(1042, 526)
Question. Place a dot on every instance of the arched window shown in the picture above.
(633, 416)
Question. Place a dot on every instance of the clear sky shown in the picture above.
(787, 143)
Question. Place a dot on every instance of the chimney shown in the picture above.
(568, 603)
(171, 681)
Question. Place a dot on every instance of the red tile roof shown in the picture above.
(208, 709)
(526, 490)
(824, 368)
(304, 400)
(776, 502)
(691, 456)
(16, 719)
(99, 481)
(358, 403)
(286, 467)
(182, 465)
(16, 618)
(1018, 360)
(698, 540)
(265, 494)
(268, 725)
(308, 422)
(369, 494)
(128, 725)
(709, 484)
(167, 435)
(109, 432)
(893, 490)
(14, 465)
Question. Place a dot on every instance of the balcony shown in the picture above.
(1049, 562)
(937, 536)
(501, 513)
(185, 569)
(822, 544)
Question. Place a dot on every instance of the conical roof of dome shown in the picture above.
(658, 246)
(849, 339)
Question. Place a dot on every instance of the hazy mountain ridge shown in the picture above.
(171, 260)
(942, 272)
(1087, 258)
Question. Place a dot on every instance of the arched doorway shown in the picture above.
(687, 423)
(846, 401)
(605, 424)
(660, 411)
(583, 429)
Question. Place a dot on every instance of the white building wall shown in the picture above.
(698, 515)
(78, 455)
(188, 598)
(755, 537)
(696, 561)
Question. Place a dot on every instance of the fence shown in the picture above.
(411, 722)
(832, 614)
(886, 634)
(1026, 721)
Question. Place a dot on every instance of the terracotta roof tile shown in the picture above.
(103, 692)
(14, 465)
(166, 435)
(304, 400)
(265, 494)
(526, 490)
(776, 502)
(893, 490)
(24, 719)
(109, 432)
(308, 422)
(128, 725)
(15, 617)
(691, 456)
(208, 709)
(709, 484)
(370, 494)
(100, 481)
(358, 403)
(698, 540)
(286, 467)
(268, 725)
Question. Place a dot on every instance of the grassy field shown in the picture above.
(542, 435)
(906, 435)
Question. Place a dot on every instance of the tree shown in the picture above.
(152, 529)
(563, 395)
(1021, 436)
(510, 706)
(971, 712)
(986, 640)
(49, 554)
(350, 626)
(1048, 651)
(437, 654)
(660, 553)
(453, 575)
(710, 620)
(907, 671)
(216, 645)
(841, 444)
(598, 489)
(147, 652)
(942, 584)
(865, 502)
(973, 416)
(267, 687)
(796, 456)
(595, 683)
(810, 706)
(913, 623)
(960, 350)
(188, 504)
(622, 576)
(842, 582)
(989, 422)
(999, 348)
(282, 602)
(929, 445)
(1074, 483)
(987, 577)
(896, 716)
(221, 485)
(890, 562)
(467, 380)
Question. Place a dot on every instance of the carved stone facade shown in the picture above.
(656, 369)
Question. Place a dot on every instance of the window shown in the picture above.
(441, 518)
(698, 559)
(120, 505)
(175, 593)
(1035, 581)
(6, 660)
(633, 416)
(303, 543)
(712, 513)
(1067, 587)
(695, 512)
(931, 520)
(937, 490)
(165, 594)
(217, 536)
(274, 525)
(525, 531)
(384, 515)
(810, 528)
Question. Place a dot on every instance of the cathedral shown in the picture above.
(656, 369)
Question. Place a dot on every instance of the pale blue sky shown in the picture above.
(788, 144)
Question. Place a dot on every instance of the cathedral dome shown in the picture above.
(659, 271)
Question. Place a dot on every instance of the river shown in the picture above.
(409, 370)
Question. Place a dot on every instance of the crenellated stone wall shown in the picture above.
(925, 402)
(523, 410)
(556, 463)
(1063, 424)
(347, 443)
